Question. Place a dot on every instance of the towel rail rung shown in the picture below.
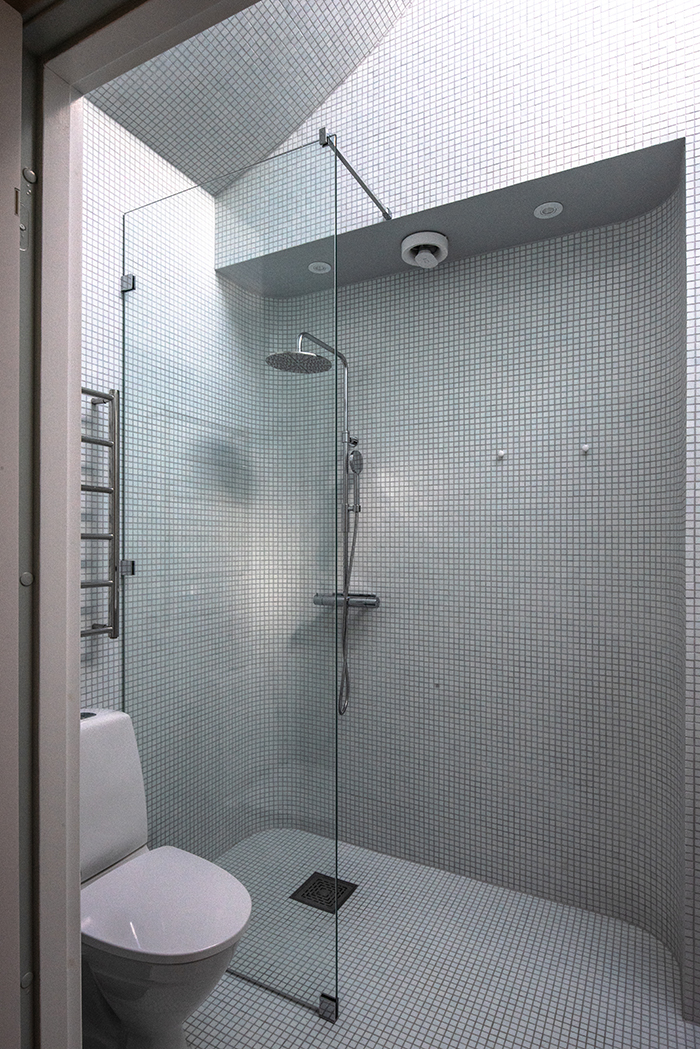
(100, 395)
(97, 440)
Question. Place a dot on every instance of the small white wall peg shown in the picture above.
(501, 454)
(585, 448)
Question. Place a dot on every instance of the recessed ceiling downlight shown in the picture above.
(549, 210)
(319, 267)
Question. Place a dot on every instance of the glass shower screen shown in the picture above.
(230, 478)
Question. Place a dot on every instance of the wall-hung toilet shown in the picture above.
(158, 926)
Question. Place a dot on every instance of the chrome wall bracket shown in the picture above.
(354, 600)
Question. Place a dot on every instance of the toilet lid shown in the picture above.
(164, 906)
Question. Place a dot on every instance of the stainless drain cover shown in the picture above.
(319, 891)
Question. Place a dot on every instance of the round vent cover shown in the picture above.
(426, 249)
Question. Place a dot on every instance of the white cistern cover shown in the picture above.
(165, 906)
(112, 799)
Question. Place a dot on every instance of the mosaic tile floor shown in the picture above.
(287, 944)
(431, 960)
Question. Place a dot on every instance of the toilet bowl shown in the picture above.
(159, 926)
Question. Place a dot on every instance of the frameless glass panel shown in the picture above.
(230, 503)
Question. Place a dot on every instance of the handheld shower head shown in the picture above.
(355, 461)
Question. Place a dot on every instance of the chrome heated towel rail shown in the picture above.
(111, 490)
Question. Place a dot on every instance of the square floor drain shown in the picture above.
(319, 891)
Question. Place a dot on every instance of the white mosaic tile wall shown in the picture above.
(186, 488)
(221, 516)
(227, 464)
(227, 97)
(274, 206)
(461, 99)
(458, 101)
(121, 173)
(519, 691)
(528, 728)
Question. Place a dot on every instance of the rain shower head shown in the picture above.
(299, 361)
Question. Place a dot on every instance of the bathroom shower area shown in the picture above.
(402, 624)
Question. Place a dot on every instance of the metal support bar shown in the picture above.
(111, 489)
(96, 628)
(327, 140)
(97, 440)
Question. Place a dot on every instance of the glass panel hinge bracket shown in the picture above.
(328, 1008)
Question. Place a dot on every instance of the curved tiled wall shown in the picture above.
(518, 92)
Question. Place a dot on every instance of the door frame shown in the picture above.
(10, 451)
(141, 33)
